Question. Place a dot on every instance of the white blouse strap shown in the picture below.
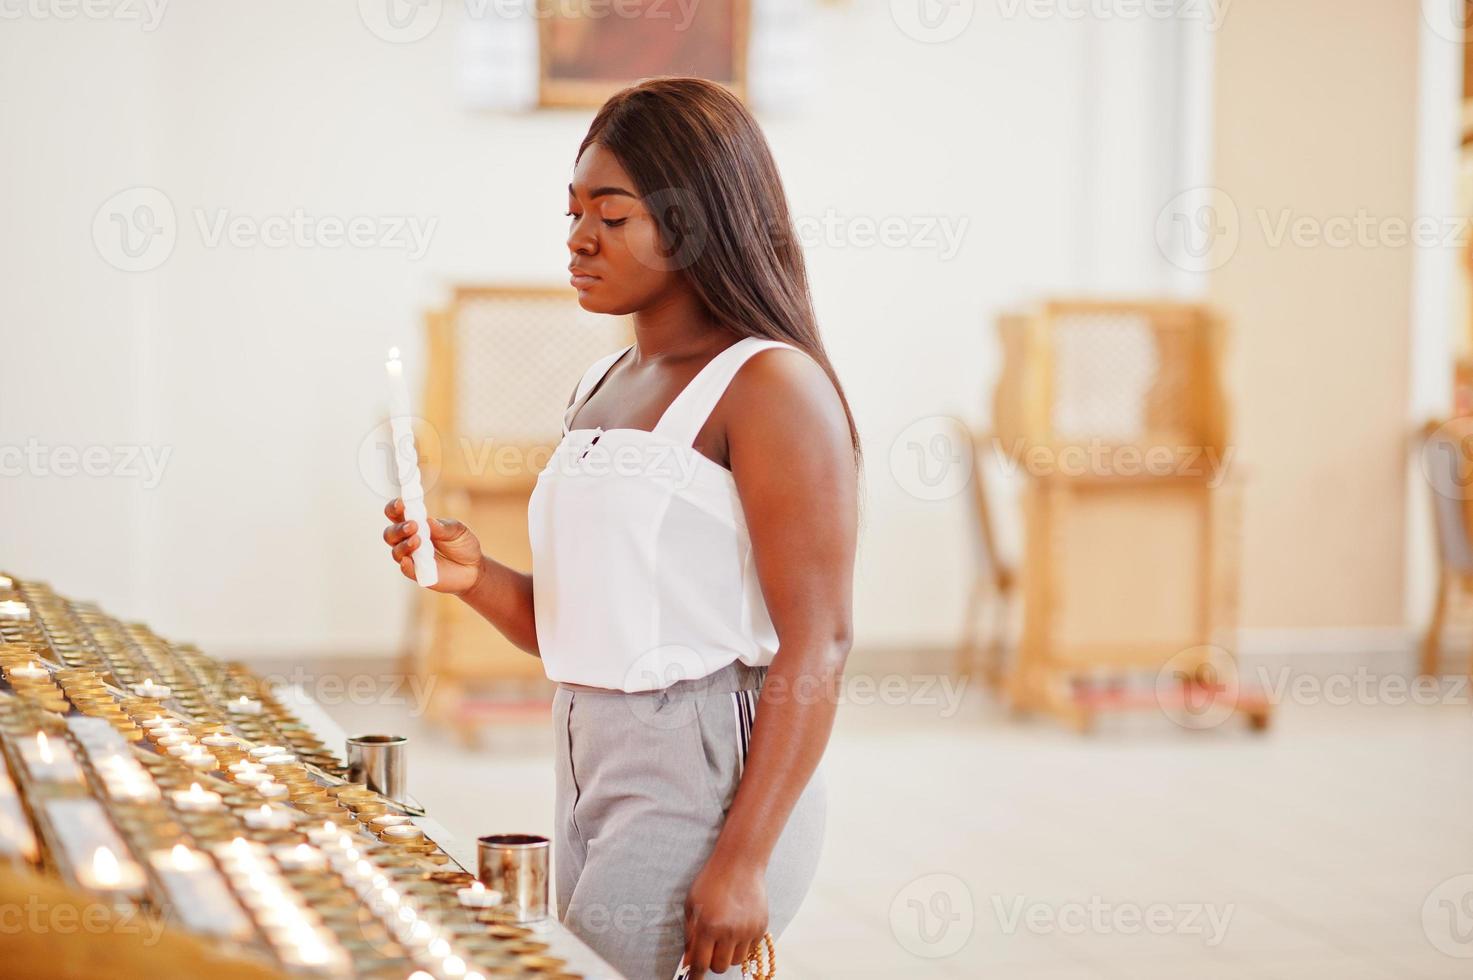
(591, 377)
(682, 421)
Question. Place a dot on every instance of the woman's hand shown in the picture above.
(725, 913)
(457, 550)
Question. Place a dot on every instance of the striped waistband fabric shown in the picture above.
(735, 676)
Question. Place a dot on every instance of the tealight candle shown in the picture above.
(174, 736)
(265, 750)
(272, 791)
(403, 832)
(14, 609)
(220, 741)
(181, 749)
(244, 706)
(148, 689)
(158, 722)
(202, 761)
(267, 817)
(30, 672)
(303, 857)
(388, 820)
(279, 759)
(250, 778)
(196, 799)
(478, 896)
(245, 765)
(107, 873)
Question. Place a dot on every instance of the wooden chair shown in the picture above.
(503, 361)
(985, 632)
(1445, 464)
(1128, 568)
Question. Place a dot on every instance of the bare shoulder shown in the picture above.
(781, 391)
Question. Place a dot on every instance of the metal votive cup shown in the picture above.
(516, 865)
(381, 762)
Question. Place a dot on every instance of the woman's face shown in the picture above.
(617, 258)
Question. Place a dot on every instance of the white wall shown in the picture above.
(1050, 142)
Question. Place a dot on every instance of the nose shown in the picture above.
(581, 241)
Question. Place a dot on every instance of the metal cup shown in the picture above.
(516, 865)
(379, 761)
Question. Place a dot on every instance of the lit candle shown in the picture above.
(221, 741)
(14, 609)
(30, 672)
(267, 817)
(158, 722)
(406, 466)
(50, 760)
(478, 896)
(245, 765)
(250, 778)
(244, 706)
(198, 894)
(196, 799)
(200, 760)
(272, 791)
(403, 832)
(388, 820)
(303, 857)
(148, 689)
(105, 873)
(279, 759)
(264, 750)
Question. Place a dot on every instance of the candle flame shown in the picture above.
(183, 858)
(105, 869)
(393, 353)
(477, 887)
(43, 749)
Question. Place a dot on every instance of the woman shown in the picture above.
(693, 543)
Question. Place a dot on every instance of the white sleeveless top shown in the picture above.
(642, 570)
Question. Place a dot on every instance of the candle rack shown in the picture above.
(237, 824)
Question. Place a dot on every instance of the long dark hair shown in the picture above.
(705, 172)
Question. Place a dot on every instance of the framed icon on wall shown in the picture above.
(589, 49)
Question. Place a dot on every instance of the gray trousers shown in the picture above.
(644, 782)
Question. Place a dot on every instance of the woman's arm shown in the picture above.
(788, 441)
(500, 594)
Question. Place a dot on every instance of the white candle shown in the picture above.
(406, 466)
(148, 689)
(200, 760)
(280, 759)
(220, 741)
(50, 760)
(108, 874)
(263, 750)
(388, 820)
(14, 609)
(196, 799)
(158, 722)
(478, 896)
(272, 791)
(268, 817)
(303, 857)
(251, 778)
(403, 832)
(30, 672)
(244, 706)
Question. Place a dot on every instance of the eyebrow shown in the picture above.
(604, 192)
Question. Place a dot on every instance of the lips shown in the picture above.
(581, 279)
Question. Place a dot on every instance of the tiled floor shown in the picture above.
(965, 844)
